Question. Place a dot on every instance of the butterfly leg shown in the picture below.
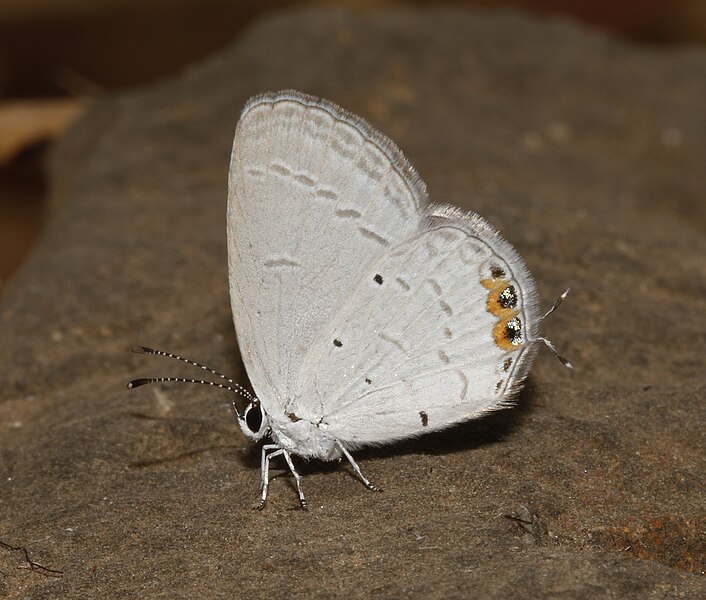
(265, 470)
(297, 480)
(358, 472)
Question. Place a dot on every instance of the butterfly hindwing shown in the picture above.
(422, 341)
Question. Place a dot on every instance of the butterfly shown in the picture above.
(364, 313)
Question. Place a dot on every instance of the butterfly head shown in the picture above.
(253, 420)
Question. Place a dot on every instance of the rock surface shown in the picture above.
(585, 151)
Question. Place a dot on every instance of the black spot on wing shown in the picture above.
(513, 331)
(497, 272)
(508, 297)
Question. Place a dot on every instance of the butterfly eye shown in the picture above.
(253, 417)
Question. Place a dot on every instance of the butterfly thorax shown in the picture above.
(302, 437)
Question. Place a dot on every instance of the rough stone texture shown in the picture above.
(585, 151)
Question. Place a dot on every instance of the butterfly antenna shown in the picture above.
(557, 304)
(240, 389)
(551, 346)
(234, 387)
(145, 380)
(547, 343)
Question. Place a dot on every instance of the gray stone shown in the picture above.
(587, 152)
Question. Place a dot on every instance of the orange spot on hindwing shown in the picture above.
(502, 303)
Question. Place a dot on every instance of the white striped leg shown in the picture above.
(297, 480)
(265, 470)
(358, 472)
(265, 473)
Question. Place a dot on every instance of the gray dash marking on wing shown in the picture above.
(374, 236)
(281, 262)
(281, 169)
(348, 213)
(448, 236)
(431, 248)
(403, 284)
(366, 165)
(446, 308)
(326, 194)
(304, 179)
(392, 341)
(393, 197)
(470, 253)
(435, 286)
(464, 380)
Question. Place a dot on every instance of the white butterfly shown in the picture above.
(364, 314)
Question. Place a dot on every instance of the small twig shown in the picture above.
(32, 566)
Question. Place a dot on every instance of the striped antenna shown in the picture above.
(232, 386)
(555, 352)
(241, 390)
(557, 304)
(547, 343)
(145, 380)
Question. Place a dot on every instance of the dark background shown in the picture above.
(55, 56)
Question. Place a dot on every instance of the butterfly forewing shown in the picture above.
(315, 198)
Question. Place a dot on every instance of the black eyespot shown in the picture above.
(378, 279)
(337, 343)
(253, 417)
(368, 381)
(508, 297)
(513, 331)
(497, 272)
